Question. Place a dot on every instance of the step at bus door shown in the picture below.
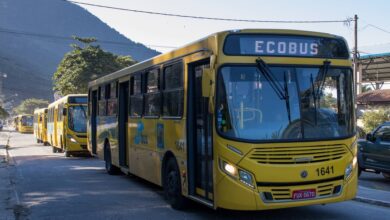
(200, 151)
(122, 123)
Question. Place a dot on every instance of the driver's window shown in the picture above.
(383, 133)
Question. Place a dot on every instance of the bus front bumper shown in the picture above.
(77, 144)
(28, 130)
(230, 194)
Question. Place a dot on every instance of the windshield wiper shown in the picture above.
(323, 71)
(281, 92)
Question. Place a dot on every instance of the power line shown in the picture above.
(376, 27)
(9, 31)
(210, 18)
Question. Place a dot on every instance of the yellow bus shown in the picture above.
(40, 125)
(243, 120)
(24, 123)
(66, 127)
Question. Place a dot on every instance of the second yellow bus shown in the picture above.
(67, 129)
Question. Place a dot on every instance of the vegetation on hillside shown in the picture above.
(84, 64)
(29, 105)
(3, 113)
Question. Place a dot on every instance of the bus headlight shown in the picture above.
(71, 138)
(243, 176)
(229, 169)
(350, 167)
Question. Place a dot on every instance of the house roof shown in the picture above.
(374, 97)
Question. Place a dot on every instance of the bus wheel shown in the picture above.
(67, 153)
(111, 169)
(172, 185)
(54, 149)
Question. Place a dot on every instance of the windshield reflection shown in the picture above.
(27, 121)
(319, 105)
(77, 118)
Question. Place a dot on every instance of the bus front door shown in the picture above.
(93, 121)
(200, 152)
(122, 123)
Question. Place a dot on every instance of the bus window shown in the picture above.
(112, 99)
(173, 92)
(152, 96)
(136, 97)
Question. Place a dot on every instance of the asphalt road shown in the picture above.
(374, 181)
(50, 186)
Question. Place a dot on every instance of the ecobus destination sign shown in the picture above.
(285, 45)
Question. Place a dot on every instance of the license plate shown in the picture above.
(303, 194)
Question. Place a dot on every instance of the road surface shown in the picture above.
(50, 186)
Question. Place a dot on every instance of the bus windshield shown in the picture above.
(77, 118)
(315, 104)
(27, 121)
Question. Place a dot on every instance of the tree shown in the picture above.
(3, 113)
(29, 105)
(374, 118)
(366, 88)
(84, 64)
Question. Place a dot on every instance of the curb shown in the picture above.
(372, 201)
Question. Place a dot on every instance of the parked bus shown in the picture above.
(23, 123)
(244, 120)
(66, 127)
(40, 125)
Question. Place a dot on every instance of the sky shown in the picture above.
(162, 33)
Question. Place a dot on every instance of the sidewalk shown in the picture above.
(6, 210)
(373, 196)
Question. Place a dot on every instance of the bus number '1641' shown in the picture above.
(325, 171)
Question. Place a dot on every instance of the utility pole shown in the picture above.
(357, 78)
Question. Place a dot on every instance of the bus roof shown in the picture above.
(208, 43)
(65, 98)
(39, 110)
(21, 115)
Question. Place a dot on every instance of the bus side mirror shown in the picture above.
(64, 111)
(207, 82)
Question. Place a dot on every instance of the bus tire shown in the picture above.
(67, 153)
(110, 168)
(172, 185)
(62, 146)
(54, 149)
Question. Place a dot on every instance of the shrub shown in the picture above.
(374, 118)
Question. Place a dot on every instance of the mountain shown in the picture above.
(35, 35)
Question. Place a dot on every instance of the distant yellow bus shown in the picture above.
(24, 123)
(40, 125)
(66, 127)
(244, 120)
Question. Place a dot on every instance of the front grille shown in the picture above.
(284, 194)
(297, 155)
(81, 136)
